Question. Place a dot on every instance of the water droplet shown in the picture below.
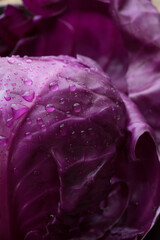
(63, 130)
(28, 120)
(77, 107)
(117, 103)
(91, 132)
(113, 90)
(38, 97)
(87, 69)
(28, 60)
(61, 101)
(28, 135)
(43, 127)
(3, 141)
(53, 86)
(10, 60)
(60, 75)
(73, 134)
(50, 219)
(39, 121)
(50, 108)
(56, 118)
(7, 98)
(28, 82)
(72, 88)
(9, 122)
(29, 96)
(118, 117)
(68, 114)
(17, 111)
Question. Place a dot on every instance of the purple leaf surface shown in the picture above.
(78, 161)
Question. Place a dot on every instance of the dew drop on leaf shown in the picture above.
(7, 98)
(3, 141)
(53, 86)
(28, 96)
(63, 130)
(28, 82)
(61, 101)
(77, 107)
(49, 108)
(43, 128)
(39, 121)
(29, 60)
(28, 135)
(72, 88)
(10, 60)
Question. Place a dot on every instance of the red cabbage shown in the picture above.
(78, 161)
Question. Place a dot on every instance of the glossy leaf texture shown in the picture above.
(78, 161)
(140, 23)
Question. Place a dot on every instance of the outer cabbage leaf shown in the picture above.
(69, 166)
(14, 25)
(144, 88)
(140, 22)
(85, 27)
(45, 7)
